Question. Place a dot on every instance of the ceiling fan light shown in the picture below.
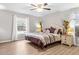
(39, 10)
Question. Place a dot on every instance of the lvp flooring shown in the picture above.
(24, 47)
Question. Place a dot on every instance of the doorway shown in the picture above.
(20, 27)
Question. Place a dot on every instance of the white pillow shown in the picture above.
(56, 31)
(46, 31)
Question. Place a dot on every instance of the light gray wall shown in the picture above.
(5, 26)
(32, 23)
(6, 23)
(56, 19)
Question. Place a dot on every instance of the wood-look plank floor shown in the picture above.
(25, 47)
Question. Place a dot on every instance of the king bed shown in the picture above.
(42, 39)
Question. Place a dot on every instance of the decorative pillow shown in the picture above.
(52, 30)
(46, 30)
(56, 31)
(59, 31)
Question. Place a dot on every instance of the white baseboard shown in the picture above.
(6, 41)
(10, 41)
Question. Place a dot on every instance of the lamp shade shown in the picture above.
(70, 31)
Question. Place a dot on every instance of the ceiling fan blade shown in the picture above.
(47, 8)
(45, 4)
(33, 5)
(32, 9)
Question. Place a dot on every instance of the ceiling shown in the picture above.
(25, 8)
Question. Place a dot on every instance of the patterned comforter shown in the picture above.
(46, 38)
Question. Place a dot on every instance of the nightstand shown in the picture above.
(67, 39)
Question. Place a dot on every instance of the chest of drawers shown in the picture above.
(67, 39)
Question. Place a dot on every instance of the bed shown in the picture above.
(42, 39)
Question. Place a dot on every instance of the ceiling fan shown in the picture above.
(40, 7)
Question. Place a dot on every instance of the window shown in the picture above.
(21, 25)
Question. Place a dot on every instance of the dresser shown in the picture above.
(67, 39)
